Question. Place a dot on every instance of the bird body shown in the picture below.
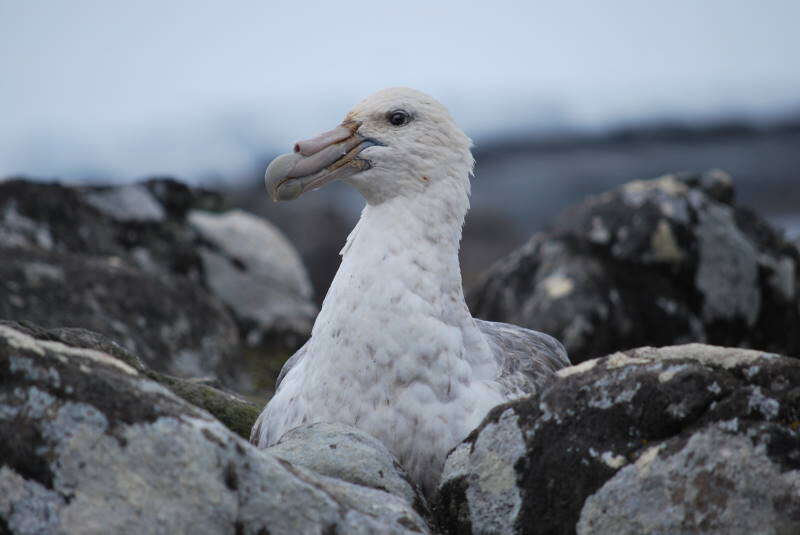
(394, 349)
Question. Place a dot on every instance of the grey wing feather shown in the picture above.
(289, 364)
(294, 360)
(528, 359)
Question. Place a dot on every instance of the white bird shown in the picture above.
(394, 349)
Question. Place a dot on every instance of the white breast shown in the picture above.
(394, 350)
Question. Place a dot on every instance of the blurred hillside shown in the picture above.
(521, 184)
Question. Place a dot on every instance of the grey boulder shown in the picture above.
(715, 482)
(349, 454)
(173, 324)
(236, 413)
(256, 272)
(681, 439)
(654, 262)
(90, 445)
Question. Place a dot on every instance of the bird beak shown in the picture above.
(330, 156)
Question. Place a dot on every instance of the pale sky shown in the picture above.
(122, 90)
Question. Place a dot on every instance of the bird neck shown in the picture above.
(402, 258)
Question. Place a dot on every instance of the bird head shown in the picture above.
(396, 142)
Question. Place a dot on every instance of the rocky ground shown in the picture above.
(137, 321)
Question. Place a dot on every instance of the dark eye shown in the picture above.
(398, 117)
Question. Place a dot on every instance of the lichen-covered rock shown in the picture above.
(90, 445)
(347, 453)
(160, 267)
(654, 262)
(237, 414)
(715, 482)
(681, 439)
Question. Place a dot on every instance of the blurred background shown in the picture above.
(562, 99)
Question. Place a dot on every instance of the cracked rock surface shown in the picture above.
(655, 262)
(681, 439)
(91, 445)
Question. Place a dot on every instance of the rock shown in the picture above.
(128, 203)
(318, 227)
(654, 262)
(75, 337)
(192, 289)
(347, 453)
(237, 414)
(90, 445)
(256, 272)
(60, 218)
(178, 199)
(701, 488)
(681, 439)
(170, 322)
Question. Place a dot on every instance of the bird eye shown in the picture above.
(398, 117)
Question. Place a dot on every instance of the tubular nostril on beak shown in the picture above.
(316, 144)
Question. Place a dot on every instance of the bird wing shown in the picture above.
(527, 359)
(289, 364)
(258, 435)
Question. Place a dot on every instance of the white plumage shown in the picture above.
(394, 350)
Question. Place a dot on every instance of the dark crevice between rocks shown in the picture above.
(420, 505)
(452, 520)
(237, 414)
(773, 318)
